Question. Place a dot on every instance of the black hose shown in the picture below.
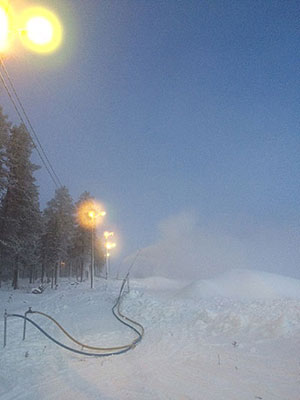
(63, 345)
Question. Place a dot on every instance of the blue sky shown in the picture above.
(160, 107)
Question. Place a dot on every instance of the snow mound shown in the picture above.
(244, 284)
(159, 283)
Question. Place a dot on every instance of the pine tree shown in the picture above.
(20, 215)
(58, 231)
(81, 249)
(4, 135)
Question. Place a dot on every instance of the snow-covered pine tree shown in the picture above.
(4, 135)
(20, 214)
(81, 248)
(58, 232)
(49, 240)
(99, 255)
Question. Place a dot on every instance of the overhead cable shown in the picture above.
(41, 152)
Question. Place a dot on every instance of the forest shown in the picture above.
(39, 245)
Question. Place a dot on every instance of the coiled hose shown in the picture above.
(111, 350)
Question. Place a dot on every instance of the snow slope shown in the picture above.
(246, 284)
(236, 337)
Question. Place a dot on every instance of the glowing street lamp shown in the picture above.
(39, 29)
(107, 234)
(108, 246)
(94, 214)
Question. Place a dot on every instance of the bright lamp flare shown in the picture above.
(107, 234)
(4, 26)
(110, 245)
(40, 29)
(90, 213)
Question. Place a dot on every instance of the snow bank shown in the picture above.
(244, 284)
(159, 283)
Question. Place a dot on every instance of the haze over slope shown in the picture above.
(190, 249)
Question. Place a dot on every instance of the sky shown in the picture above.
(175, 113)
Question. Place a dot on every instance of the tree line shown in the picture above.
(35, 243)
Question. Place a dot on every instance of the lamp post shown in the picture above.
(108, 246)
(93, 215)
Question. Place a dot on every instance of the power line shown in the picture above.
(28, 120)
(40, 151)
(22, 120)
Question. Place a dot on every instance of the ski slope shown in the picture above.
(235, 337)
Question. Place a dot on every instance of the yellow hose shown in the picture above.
(92, 347)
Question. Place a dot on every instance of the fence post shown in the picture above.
(24, 327)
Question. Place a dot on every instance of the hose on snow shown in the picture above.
(111, 350)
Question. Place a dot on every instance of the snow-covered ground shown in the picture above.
(235, 337)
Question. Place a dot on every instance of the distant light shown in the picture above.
(90, 213)
(110, 245)
(4, 28)
(107, 234)
(40, 30)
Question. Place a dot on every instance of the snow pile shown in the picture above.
(245, 284)
(160, 283)
(230, 306)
